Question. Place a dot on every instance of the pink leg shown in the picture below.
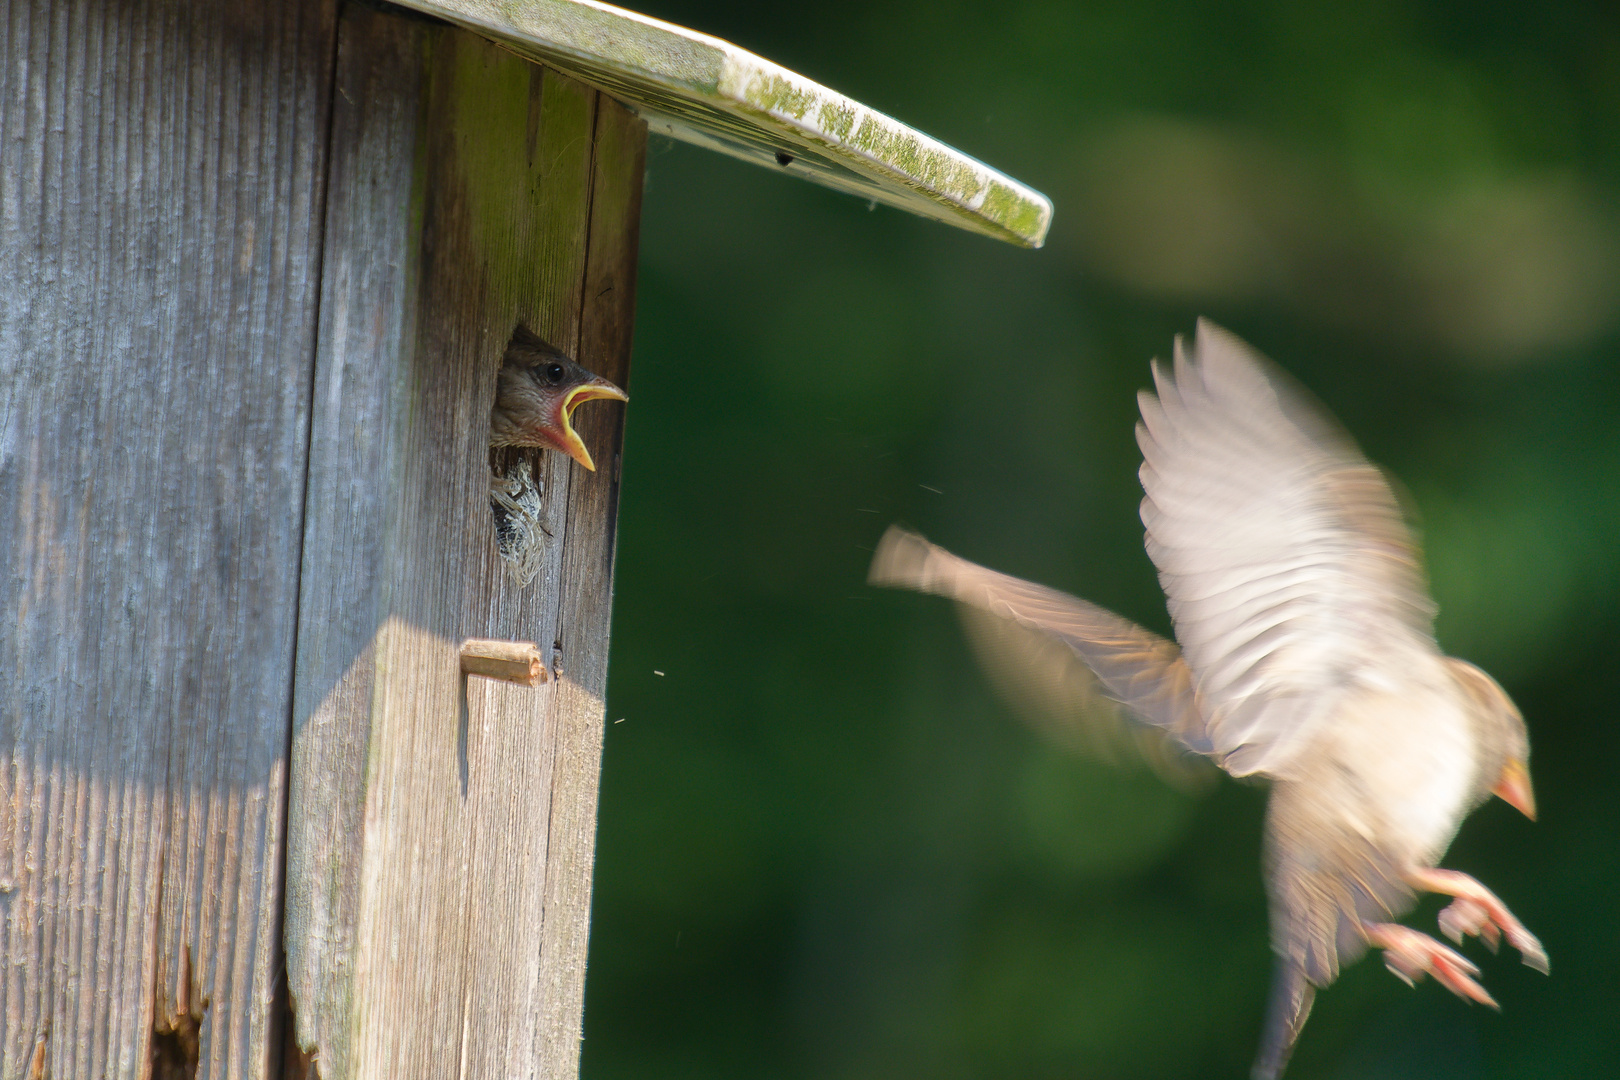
(1411, 955)
(1477, 911)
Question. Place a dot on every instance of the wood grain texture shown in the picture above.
(161, 186)
(702, 90)
(439, 866)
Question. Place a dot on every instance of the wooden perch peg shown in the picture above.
(510, 661)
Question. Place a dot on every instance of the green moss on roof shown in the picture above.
(712, 93)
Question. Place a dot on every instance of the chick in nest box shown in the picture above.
(538, 391)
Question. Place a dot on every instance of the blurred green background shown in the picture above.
(826, 848)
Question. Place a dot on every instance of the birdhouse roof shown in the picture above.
(706, 91)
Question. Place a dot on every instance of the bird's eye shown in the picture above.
(554, 373)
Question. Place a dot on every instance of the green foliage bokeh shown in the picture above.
(827, 849)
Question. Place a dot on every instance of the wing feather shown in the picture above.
(1135, 667)
(1281, 549)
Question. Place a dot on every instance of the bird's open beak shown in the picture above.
(1513, 788)
(596, 388)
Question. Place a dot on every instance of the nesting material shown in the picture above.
(516, 497)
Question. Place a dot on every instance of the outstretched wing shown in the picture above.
(1135, 667)
(1288, 569)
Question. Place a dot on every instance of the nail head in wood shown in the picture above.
(510, 661)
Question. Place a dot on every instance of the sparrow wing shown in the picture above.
(1285, 560)
(1132, 666)
(1056, 693)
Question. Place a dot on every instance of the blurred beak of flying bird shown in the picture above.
(1304, 654)
(538, 390)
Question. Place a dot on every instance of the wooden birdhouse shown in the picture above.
(301, 730)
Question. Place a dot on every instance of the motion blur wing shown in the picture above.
(1122, 662)
(1057, 694)
(1289, 571)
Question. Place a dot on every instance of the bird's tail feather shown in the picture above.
(1291, 998)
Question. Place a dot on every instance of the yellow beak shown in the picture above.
(597, 388)
(1513, 788)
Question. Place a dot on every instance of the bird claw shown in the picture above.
(1476, 910)
(1530, 950)
(1410, 956)
(1464, 918)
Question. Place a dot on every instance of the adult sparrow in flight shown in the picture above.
(1304, 654)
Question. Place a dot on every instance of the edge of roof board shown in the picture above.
(703, 90)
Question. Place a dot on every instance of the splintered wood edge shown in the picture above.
(706, 91)
(510, 661)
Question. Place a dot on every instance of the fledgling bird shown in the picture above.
(538, 390)
(1304, 654)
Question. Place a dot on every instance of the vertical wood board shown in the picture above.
(440, 853)
(161, 182)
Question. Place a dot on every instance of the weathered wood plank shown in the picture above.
(440, 852)
(161, 179)
(588, 568)
(706, 91)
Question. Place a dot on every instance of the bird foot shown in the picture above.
(1464, 918)
(1476, 910)
(1410, 955)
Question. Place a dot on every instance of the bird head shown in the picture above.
(1501, 728)
(538, 390)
